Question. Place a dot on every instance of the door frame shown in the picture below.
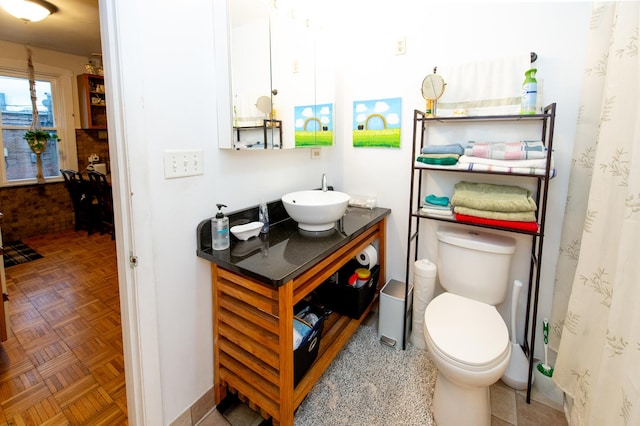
(136, 283)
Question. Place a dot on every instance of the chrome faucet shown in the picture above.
(324, 183)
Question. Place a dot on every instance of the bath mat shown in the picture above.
(369, 383)
(16, 252)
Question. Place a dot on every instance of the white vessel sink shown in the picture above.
(315, 210)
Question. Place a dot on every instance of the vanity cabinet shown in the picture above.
(93, 104)
(497, 127)
(253, 354)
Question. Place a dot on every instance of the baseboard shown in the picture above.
(197, 411)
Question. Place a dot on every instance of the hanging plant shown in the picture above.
(38, 139)
(35, 136)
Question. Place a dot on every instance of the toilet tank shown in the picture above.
(474, 264)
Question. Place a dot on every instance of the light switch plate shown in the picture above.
(182, 163)
(315, 153)
(401, 45)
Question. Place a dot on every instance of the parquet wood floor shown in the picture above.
(64, 364)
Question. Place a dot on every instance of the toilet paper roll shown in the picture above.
(424, 280)
(368, 257)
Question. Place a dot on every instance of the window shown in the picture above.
(16, 112)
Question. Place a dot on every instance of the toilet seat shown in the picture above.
(466, 332)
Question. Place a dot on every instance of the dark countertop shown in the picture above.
(286, 251)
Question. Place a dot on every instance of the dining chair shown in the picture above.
(80, 194)
(101, 190)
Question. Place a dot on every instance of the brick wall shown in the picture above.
(35, 210)
(89, 142)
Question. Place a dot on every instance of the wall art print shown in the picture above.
(376, 123)
(313, 125)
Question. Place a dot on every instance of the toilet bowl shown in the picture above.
(469, 343)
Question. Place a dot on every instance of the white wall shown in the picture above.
(167, 63)
(454, 33)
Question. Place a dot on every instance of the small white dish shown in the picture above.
(246, 231)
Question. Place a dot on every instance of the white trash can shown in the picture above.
(390, 314)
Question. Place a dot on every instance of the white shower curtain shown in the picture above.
(596, 312)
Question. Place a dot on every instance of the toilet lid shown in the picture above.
(468, 331)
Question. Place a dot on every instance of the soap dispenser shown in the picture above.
(220, 230)
(263, 216)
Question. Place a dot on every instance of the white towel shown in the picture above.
(437, 212)
(486, 87)
(538, 163)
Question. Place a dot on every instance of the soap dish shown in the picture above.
(249, 230)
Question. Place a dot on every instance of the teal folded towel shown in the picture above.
(438, 201)
(439, 161)
(454, 148)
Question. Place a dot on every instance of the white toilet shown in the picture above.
(465, 335)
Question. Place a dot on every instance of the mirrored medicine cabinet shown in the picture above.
(272, 91)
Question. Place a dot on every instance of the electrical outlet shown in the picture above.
(181, 163)
(401, 46)
(315, 153)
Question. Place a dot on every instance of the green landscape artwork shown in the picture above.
(313, 125)
(376, 123)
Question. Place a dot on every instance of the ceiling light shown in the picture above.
(29, 10)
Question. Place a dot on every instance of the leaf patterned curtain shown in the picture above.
(595, 320)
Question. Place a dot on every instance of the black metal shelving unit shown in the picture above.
(420, 124)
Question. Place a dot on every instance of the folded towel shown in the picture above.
(537, 163)
(487, 214)
(522, 150)
(439, 155)
(490, 197)
(524, 226)
(437, 207)
(443, 161)
(500, 169)
(454, 148)
(437, 212)
(433, 199)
